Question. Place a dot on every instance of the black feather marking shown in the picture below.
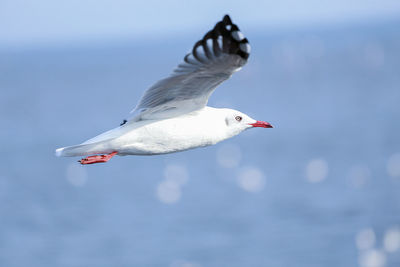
(207, 51)
(234, 28)
(194, 51)
(227, 20)
(229, 44)
(216, 49)
(187, 59)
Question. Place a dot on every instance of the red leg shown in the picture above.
(97, 158)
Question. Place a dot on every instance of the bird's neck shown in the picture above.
(212, 121)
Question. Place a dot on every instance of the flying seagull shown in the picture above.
(173, 114)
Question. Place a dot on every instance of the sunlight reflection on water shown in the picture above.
(316, 170)
(393, 165)
(391, 239)
(372, 258)
(169, 190)
(251, 179)
(365, 239)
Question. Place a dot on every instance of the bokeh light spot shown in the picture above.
(372, 258)
(393, 165)
(391, 241)
(251, 179)
(168, 192)
(316, 170)
(365, 239)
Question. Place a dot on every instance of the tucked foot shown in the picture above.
(97, 158)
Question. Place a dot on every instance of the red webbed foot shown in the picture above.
(97, 158)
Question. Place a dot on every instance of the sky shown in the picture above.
(33, 22)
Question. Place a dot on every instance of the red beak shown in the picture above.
(261, 124)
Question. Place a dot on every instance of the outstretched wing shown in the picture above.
(220, 53)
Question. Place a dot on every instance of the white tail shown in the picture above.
(84, 149)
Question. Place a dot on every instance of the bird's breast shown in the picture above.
(167, 136)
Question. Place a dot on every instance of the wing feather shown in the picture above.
(213, 59)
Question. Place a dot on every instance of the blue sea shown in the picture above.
(320, 189)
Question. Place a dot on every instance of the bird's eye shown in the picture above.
(238, 118)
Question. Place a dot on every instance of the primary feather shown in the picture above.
(214, 58)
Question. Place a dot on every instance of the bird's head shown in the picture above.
(238, 121)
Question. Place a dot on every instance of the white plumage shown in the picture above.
(172, 114)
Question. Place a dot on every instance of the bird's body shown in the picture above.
(151, 137)
(173, 115)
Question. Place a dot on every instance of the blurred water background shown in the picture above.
(322, 188)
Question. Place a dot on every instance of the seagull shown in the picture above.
(173, 115)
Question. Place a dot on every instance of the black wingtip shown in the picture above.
(233, 42)
(227, 19)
